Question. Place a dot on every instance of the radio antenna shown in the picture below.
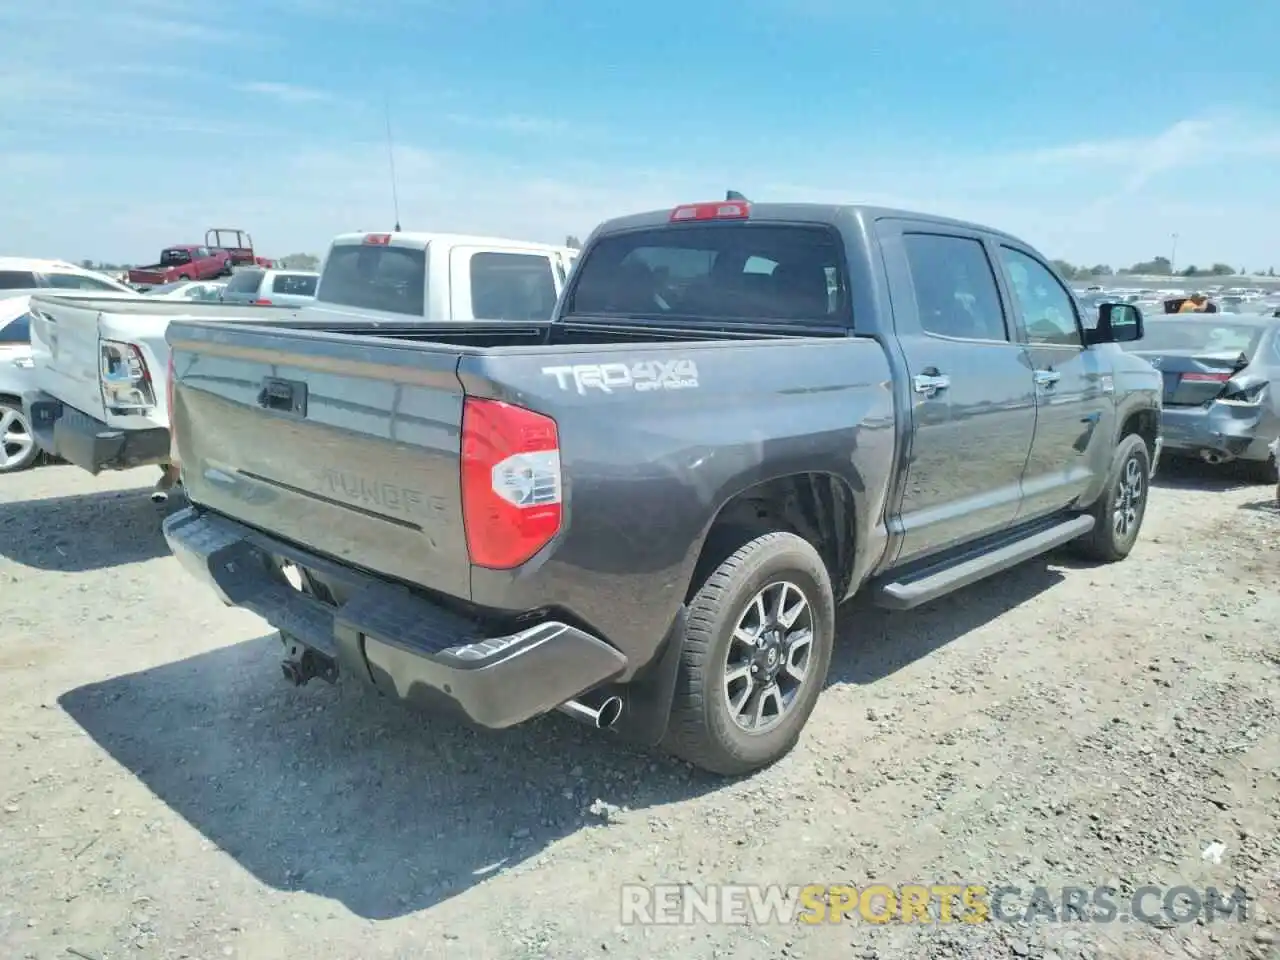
(391, 162)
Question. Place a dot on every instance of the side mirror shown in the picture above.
(1117, 323)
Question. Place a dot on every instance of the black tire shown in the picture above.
(702, 728)
(1105, 543)
(11, 415)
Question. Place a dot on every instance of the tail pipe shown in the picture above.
(601, 713)
(1214, 457)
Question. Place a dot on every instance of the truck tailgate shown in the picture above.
(65, 352)
(67, 330)
(349, 452)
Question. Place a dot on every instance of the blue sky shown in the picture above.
(1094, 130)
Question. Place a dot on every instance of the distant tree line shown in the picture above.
(1155, 267)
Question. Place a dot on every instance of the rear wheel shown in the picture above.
(757, 647)
(18, 449)
(1119, 512)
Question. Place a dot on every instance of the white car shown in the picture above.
(280, 288)
(22, 276)
(201, 291)
(18, 449)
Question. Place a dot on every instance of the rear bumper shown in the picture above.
(87, 442)
(406, 646)
(1229, 430)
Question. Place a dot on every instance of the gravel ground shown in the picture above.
(165, 794)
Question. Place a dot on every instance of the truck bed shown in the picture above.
(346, 441)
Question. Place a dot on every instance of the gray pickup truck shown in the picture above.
(645, 511)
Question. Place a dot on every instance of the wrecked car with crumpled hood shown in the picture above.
(1220, 375)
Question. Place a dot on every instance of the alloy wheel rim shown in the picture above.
(1129, 498)
(15, 438)
(769, 656)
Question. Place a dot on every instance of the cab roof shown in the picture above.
(857, 215)
(419, 240)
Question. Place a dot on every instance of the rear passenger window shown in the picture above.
(294, 285)
(72, 281)
(955, 287)
(17, 280)
(512, 286)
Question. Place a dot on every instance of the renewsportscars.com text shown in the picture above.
(758, 904)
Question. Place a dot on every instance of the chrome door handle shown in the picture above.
(1047, 378)
(930, 385)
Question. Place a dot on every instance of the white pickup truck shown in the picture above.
(100, 374)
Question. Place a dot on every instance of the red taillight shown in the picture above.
(1206, 377)
(262, 302)
(511, 491)
(378, 239)
(721, 210)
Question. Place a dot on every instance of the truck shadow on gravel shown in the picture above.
(88, 531)
(333, 791)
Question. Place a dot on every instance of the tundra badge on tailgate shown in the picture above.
(643, 375)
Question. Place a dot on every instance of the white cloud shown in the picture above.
(284, 92)
(127, 24)
(511, 123)
(1099, 200)
(1191, 142)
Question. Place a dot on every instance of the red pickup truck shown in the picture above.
(183, 262)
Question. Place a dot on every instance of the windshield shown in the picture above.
(393, 279)
(714, 272)
(164, 288)
(244, 281)
(81, 281)
(1198, 336)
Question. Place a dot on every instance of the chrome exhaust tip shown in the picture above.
(601, 717)
(1213, 457)
(159, 496)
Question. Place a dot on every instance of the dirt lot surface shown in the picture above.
(164, 793)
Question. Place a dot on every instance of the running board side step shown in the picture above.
(934, 582)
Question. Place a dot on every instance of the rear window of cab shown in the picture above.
(714, 272)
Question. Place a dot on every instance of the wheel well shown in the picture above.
(815, 506)
(11, 398)
(1146, 424)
